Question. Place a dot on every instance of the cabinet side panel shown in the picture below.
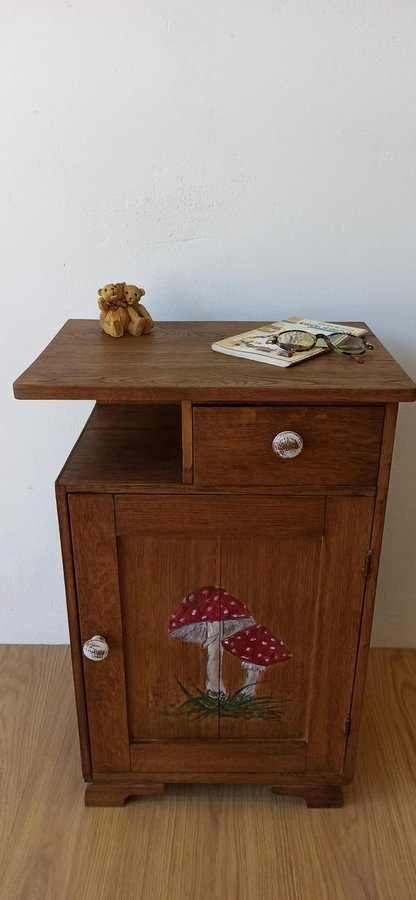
(73, 623)
(95, 557)
(341, 594)
(367, 618)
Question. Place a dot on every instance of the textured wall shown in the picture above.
(240, 159)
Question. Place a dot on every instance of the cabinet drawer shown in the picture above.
(233, 445)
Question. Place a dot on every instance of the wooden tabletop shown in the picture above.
(175, 362)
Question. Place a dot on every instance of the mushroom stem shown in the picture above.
(214, 683)
(252, 677)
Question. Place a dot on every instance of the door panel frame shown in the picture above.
(347, 530)
(96, 573)
(219, 756)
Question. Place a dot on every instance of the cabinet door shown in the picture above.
(196, 700)
(308, 590)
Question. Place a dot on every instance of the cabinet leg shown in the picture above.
(116, 794)
(319, 796)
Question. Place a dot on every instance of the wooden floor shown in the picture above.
(218, 843)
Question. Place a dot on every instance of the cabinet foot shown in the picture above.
(321, 796)
(116, 794)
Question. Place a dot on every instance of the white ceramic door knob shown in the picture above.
(96, 648)
(287, 444)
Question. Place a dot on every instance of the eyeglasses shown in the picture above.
(301, 341)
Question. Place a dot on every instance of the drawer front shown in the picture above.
(233, 445)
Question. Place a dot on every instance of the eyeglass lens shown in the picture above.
(300, 341)
(297, 341)
(348, 343)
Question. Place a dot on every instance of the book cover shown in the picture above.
(253, 344)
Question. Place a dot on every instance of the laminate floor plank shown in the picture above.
(200, 842)
(28, 683)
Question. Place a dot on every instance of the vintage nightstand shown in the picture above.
(220, 594)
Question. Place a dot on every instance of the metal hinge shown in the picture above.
(367, 562)
(347, 725)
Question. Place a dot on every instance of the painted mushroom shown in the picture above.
(257, 648)
(204, 617)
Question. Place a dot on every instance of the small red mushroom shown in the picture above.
(204, 617)
(257, 648)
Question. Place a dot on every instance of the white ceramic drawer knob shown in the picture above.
(287, 444)
(96, 648)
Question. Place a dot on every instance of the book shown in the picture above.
(253, 344)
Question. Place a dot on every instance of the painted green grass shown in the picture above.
(233, 706)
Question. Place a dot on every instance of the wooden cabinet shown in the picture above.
(219, 596)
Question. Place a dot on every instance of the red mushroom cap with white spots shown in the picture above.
(258, 646)
(206, 605)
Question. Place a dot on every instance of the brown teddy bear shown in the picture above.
(132, 296)
(114, 317)
(120, 310)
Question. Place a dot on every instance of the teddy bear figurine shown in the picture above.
(132, 296)
(121, 310)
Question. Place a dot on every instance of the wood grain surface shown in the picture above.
(175, 362)
(233, 444)
(196, 842)
(95, 563)
(127, 443)
(244, 757)
(202, 515)
(301, 574)
(157, 569)
(151, 589)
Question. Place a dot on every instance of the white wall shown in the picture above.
(239, 159)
